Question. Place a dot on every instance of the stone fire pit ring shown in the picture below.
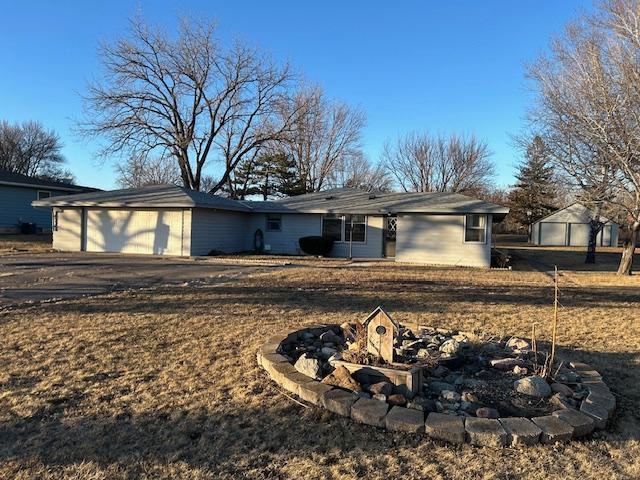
(560, 426)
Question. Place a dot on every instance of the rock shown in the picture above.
(308, 335)
(422, 353)
(379, 396)
(450, 395)
(440, 371)
(486, 412)
(335, 357)
(422, 403)
(521, 431)
(450, 346)
(311, 367)
(518, 370)
(341, 377)
(485, 432)
(330, 337)
(520, 344)
(397, 399)
(354, 347)
(506, 363)
(559, 401)
(370, 412)
(363, 395)
(582, 424)
(385, 388)
(533, 386)
(338, 401)
(553, 429)
(469, 397)
(438, 387)
(561, 389)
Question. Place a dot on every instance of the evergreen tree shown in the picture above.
(534, 195)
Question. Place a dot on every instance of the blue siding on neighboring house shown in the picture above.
(15, 207)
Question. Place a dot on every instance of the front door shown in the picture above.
(390, 225)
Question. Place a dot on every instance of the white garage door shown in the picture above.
(604, 237)
(135, 231)
(552, 233)
(579, 234)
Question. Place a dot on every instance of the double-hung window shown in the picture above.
(274, 222)
(345, 228)
(475, 228)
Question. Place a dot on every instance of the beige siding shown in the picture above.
(158, 231)
(439, 240)
(68, 236)
(215, 230)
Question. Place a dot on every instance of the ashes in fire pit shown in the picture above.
(466, 374)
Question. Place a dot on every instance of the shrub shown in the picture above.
(316, 245)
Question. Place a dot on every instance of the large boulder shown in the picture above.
(533, 386)
(450, 346)
(341, 377)
(311, 367)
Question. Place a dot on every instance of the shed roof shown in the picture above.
(342, 200)
(19, 180)
(575, 209)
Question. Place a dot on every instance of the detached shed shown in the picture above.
(570, 227)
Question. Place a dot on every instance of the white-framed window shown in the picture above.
(274, 222)
(475, 228)
(339, 227)
(42, 194)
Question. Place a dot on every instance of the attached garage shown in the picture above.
(571, 226)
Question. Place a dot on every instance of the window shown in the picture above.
(332, 226)
(475, 228)
(274, 222)
(359, 223)
(339, 227)
(42, 194)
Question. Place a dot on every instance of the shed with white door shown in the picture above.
(570, 227)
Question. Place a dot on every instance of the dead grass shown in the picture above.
(10, 243)
(164, 383)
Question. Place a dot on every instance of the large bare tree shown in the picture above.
(188, 97)
(140, 171)
(28, 148)
(421, 162)
(324, 134)
(588, 111)
(357, 171)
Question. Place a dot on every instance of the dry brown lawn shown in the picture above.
(10, 243)
(164, 383)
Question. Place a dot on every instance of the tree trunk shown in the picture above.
(595, 225)
(628, 249)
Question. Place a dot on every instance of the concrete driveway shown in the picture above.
(37, 277)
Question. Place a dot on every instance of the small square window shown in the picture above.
(274, 222)
(42, 194)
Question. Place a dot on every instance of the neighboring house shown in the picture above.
(570, 226)
(18, 191)
(434, 228)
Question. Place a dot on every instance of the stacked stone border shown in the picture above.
(560, 426)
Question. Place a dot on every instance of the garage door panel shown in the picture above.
(579, 234)
(553, 233)
(135, 231)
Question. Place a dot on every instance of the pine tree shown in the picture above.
(534, 195)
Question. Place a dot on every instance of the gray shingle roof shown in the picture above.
(12, 178)
(169, 196)
(341, 200)
(347, 200)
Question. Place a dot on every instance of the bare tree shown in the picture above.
(424, 163)
(356, 171)
(140, 171)
(324, 134)
(588, 111)
(30, 149)
(187, 97)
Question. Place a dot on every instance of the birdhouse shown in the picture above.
(382, 333)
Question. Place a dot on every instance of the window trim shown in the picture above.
(343, 225)
(43, 191)
(54, 220)
(279, 229)
(483, 228)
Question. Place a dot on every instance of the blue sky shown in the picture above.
(441, 66)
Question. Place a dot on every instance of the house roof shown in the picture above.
(167, 196)
(19, 180)
(343, 200)
(586, 210)
(348, 200)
